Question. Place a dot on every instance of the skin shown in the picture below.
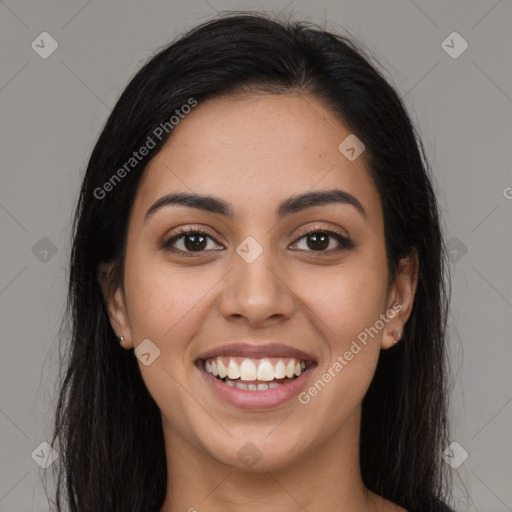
(254, 151)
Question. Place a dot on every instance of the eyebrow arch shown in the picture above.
(289, 206)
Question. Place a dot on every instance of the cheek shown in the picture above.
(345, 302)
(346, 315)
(165, 306)
(346, 305)
(164, 301)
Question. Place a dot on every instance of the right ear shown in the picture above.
(115, 304)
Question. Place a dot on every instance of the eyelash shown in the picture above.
(345, 242)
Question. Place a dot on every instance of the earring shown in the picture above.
(397, 337)
(120, 339)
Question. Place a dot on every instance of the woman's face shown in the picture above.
(253, 289)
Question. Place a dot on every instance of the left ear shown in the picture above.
(115, 304)
(402, 293)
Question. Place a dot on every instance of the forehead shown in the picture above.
(255, 150)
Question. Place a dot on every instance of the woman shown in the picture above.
(257, 294)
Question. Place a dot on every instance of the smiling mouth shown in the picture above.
(256, 374)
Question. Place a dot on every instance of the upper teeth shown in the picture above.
(254, 369)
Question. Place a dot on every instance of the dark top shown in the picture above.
(439, 507)
(432, 507)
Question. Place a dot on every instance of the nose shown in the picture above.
(257, 293)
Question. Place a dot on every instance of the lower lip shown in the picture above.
(264, 399)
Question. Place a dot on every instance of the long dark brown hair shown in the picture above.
(107, 426)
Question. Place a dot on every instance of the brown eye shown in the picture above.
(189, 241)
(318, 241)
(324, 241)
(195, 242)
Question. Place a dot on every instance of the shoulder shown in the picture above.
(420, 505)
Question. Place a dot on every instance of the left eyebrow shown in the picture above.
(289, 206)
(300, 202)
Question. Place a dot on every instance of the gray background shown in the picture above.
(53, 110)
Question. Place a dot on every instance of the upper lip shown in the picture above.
(256, 351)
